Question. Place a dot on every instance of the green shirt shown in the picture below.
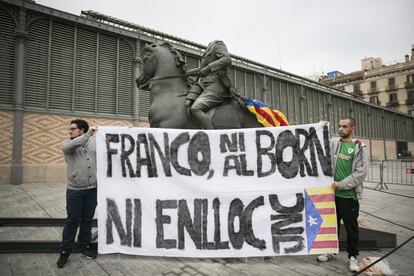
(344, 168)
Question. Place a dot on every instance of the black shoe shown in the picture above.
(88, 252)
(63, 260)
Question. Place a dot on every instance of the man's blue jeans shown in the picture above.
(80, 208)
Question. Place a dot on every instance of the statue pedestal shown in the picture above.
(370, 239)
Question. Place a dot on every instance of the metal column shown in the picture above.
(21, 38)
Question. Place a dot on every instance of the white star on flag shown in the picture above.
(312, 221)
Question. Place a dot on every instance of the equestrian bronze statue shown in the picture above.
(173, 103)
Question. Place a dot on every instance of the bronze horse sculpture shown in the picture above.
(161, 66)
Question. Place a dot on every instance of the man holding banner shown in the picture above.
(81, 193)
(349, 161)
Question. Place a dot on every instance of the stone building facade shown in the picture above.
(390, 86)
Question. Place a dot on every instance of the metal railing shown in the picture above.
(394, 103)
(391, 171)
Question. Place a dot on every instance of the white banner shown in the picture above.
(216, 193)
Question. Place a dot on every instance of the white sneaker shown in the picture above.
(327, 257)
(353, 264)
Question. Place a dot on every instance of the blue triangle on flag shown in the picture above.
(313, 221)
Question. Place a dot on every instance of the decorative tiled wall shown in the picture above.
(43, 134)
(6, 137)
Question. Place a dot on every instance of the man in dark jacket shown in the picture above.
(81, 192)
(209, 91)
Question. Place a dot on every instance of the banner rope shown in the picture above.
(408, 228)
(385, 256)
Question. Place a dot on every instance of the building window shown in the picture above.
(373, 87)
(410, 98)
(411, 112)
(393, 102)
(391, 83)
(410, 81)
(357, 89)
(374, 100)
(393, 97)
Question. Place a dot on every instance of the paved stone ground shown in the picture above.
(48, 200)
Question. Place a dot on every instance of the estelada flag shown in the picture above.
(264, 114)
(321, 225)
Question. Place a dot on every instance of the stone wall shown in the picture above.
(377, 149)
(391, 148)
(411, 148)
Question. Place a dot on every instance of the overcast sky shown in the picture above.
(302, 37)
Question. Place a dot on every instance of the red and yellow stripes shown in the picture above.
(327, 239)
(266, 116)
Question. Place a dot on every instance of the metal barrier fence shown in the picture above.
(374, 171)
(391, 171)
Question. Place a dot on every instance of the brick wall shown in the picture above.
(6, 145)
(43, 134)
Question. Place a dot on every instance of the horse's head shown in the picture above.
(148, 60)
(157, 58)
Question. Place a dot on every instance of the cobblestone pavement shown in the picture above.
(48, 200)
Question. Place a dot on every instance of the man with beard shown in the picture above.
(350, 164)
(81, 192)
